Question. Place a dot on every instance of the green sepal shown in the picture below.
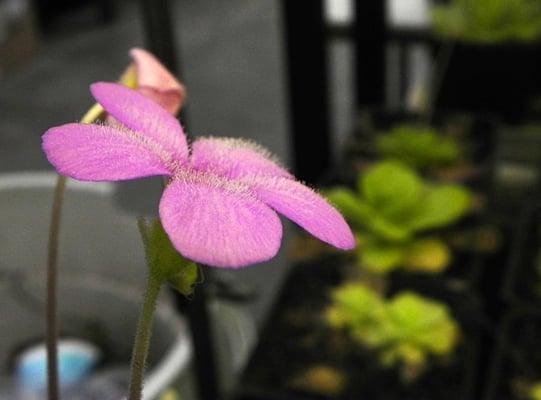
(164, 260)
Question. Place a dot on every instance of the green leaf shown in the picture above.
(164, 260)
(380, 257)
(441, 206)
(418, 146)
(355, 210)
(423, 322)
(426, 255)
(361, 215)
(391, 188)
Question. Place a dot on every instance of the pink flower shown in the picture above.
(221, 201)
(153, 80)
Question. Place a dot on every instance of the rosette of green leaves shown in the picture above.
(418, 146)
(488, 21)
(391, 208)
(404, 330)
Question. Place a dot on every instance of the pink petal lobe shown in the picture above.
(143, 115)
(234, 158)
(215, 222)
(305, 207)
(156, 82)
(100, 153)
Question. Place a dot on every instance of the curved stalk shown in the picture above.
(52, 267)
(51, 336)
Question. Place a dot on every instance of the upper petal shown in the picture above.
(308, 209)
(156, 82)
(218, 223)
(141, 114)
(101, 153)
(234, 158)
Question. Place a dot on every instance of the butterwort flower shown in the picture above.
(148, 76)
(221, 201)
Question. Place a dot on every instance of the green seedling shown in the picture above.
(404, 331)
(391, 209)
(418, 146)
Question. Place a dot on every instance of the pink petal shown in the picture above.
(234, 158)
(143, 115)
(101, 153)
(156, 82)
(215, 222)
(308, 209)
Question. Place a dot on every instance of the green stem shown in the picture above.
(52, 267)
(142, 336)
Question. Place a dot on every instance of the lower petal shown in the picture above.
(218, 223)
(305, 207)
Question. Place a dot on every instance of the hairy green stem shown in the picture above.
(142, 335)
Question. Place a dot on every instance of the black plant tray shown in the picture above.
(500, 79)
(522, 283)
(517, 355)
(295, 338)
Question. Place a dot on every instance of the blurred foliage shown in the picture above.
(320, 379)
(391, 208)
(170, 394)
(404, 330)
(488, 21)
(418, 146)
(535, 391)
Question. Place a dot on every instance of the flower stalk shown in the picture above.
(143, 334)
(51, 335)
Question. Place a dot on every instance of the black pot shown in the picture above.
(517, 356)
(522, 283)
(296, 320)
(500, 79)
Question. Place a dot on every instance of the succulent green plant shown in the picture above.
(404, 331)
(418, 146)
(488, 21)
(390, 210)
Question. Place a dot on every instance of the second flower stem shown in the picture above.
(142, 336)
(51, 336)
(52, 267)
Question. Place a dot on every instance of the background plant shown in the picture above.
(418, 146)
(390, 210)
(405, 330)
(488, 21)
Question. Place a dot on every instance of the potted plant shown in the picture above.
(218, 208)
(100, 282)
